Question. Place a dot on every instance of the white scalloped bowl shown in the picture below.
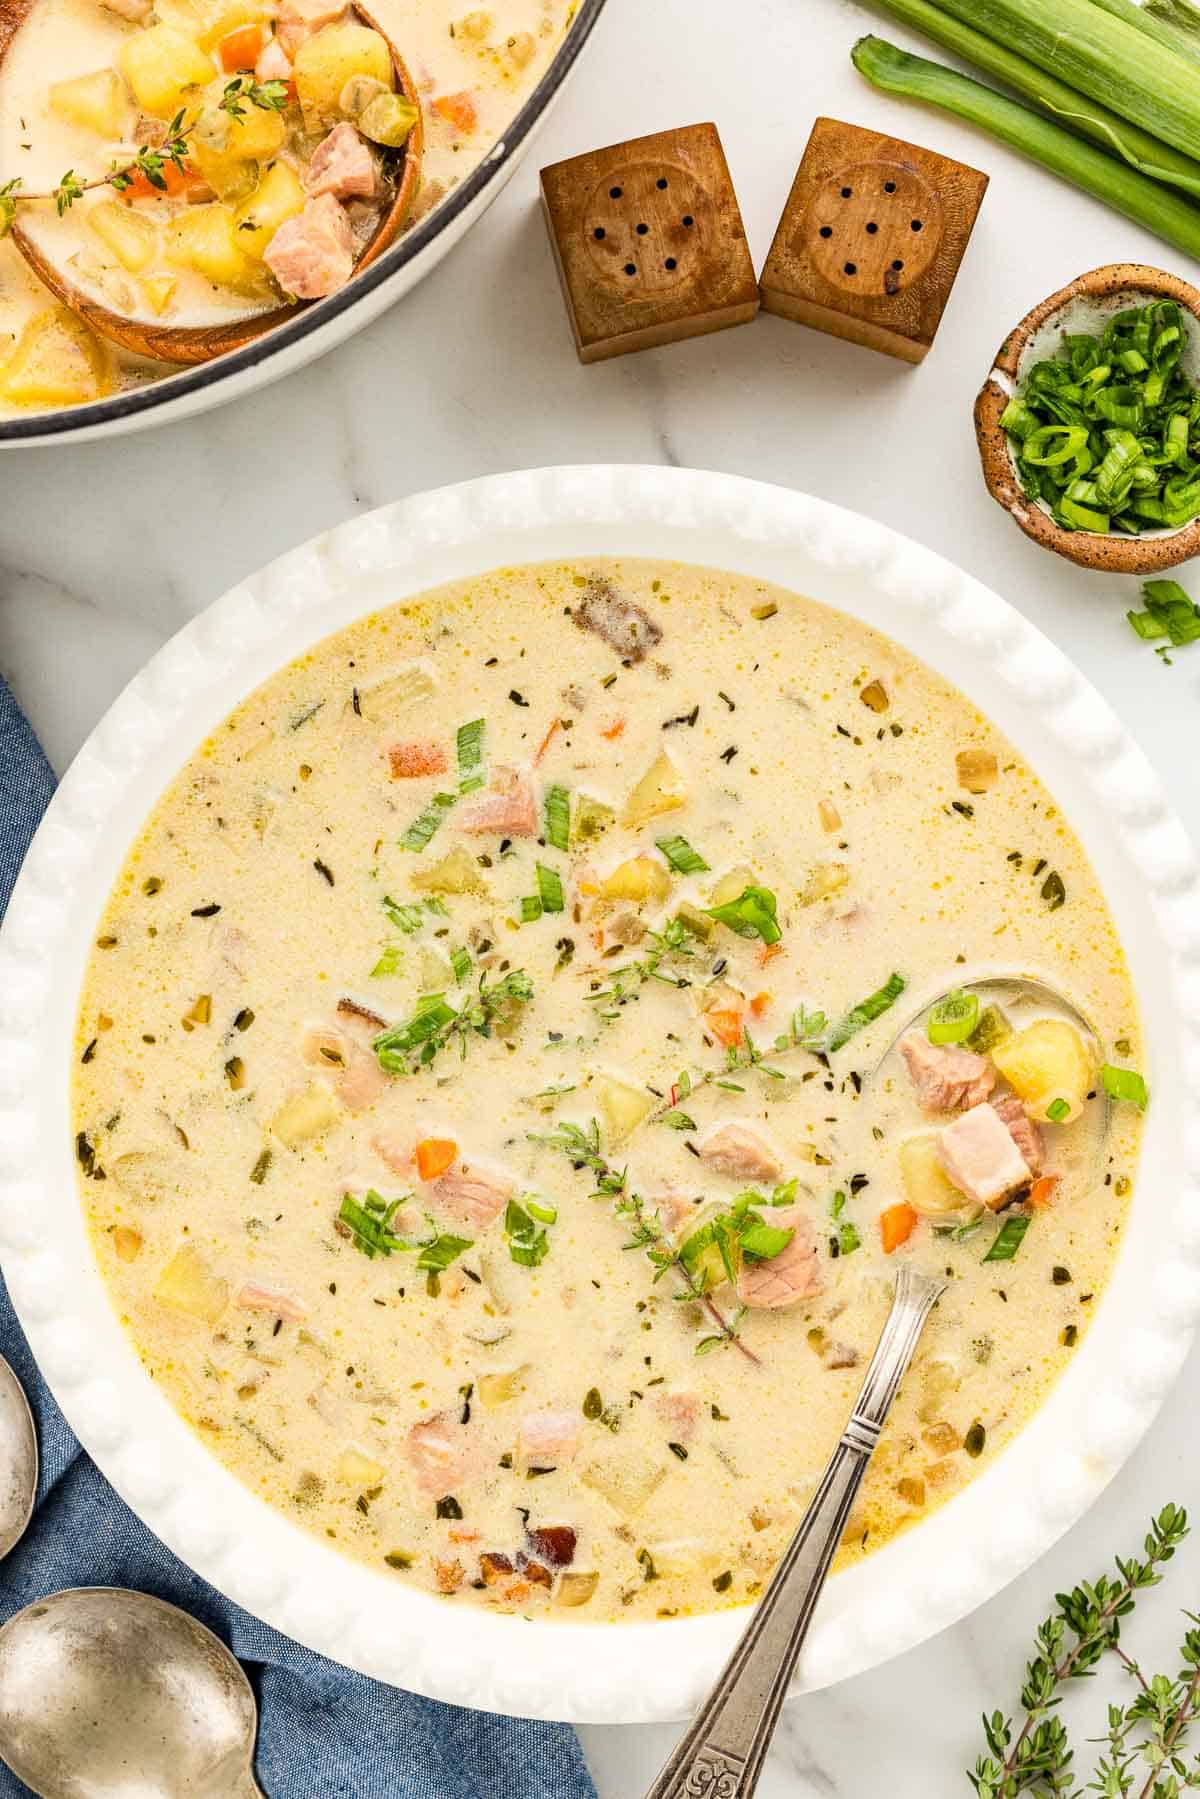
(915, 1585)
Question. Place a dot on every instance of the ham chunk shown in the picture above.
(442, 1454)
(395, 1148)
(547, 1439)
(299, 19)
(676, 1210)
(738, 1151)
(981, 1157)
(945, 1077)
(273, 63)
(417, 756)
(312, 254)
(504, 809)
(253, 1298)
(360, 1079)
(1024, 1132)
(622, 624)
(791, 1275)
(471, 1194)
(679, 1411)
(342, 165)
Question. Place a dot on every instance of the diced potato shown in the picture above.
(149, 1175)
(575, 1587)
(230, 17)
(495, 1390)
(698, 923)
(326, 61)
(824, 880)
(160, 64)
(455, 872)
(661, 789)
(256, 134)
(305, 1115)
(127, 1243)
(626, 1482)
(592, 819)
(188, 1284)
(205, 238)
(941, 1376)
(132, 237)
(388, 120)
(159, 291)
(232, 177)
(731, 886)
(279, 196)
(358, 94)
(681, 1557)
(358, 1470)
(977, 770)
(56, 361)
(927, 1187)
(98, 102)
(639, 879)
(830, 817)
(382, 700)
(1045, 1062)
(622, 1107)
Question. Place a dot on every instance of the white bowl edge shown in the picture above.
(923, 1580)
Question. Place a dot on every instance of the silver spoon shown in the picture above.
(18, 1460)
(723, 1752)
(1016, 988)
(108, 1694)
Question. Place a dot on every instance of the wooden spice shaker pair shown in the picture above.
(650, 246)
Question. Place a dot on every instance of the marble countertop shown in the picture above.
(108, 548)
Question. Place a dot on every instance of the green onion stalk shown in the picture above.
(1125, 189)
(1084, 116)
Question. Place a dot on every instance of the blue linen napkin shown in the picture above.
(325, 1732)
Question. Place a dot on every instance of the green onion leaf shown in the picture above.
(460, 962)
(543, 1214)
(682, 857)
(556, 814)
(1125, 1084)
(408, 918)
(530, 908)
(550, 890)
(752, 914)
(762, 1242)
(421, 830)
(1057, 1110)
(438, 1252)
(470, 755)
(1008, 1239)
(390, 962)
(954, 1018)
(865, 1013)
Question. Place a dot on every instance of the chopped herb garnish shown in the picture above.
(369, 1224)
(422, 829)
(494, 1007)
(1008, 1238)
(682, 857)
(528, 1243)
(1054, 891)
(1125, 1084)
(752, 914)
(550, 890)
(460, 962)
(557, 817)
(865, 1013)
(1057, 1110)
(975, 1439)
(448, 1507)
(1169, 614)
(530, 908)
(209, 911)
(678, 1450)
(593, 1403)
(953, 1019)
(439, 1251)
(470, 755)
(407, 918)
(324, 870)
(258, 1173)
(390, 962)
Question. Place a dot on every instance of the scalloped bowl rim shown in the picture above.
(930, 1575)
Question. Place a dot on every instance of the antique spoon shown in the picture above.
(200, 343)
(1016, 988)
(723, 1752)
(108, 1694)
(18, 1460)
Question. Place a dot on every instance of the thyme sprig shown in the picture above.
(493, 1009)
(582, 1149)
(242, 91)
(626, 982)
(1148, 1733)
(806, 1031)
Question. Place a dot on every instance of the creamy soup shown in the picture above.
(490, 1113)
(279, 144)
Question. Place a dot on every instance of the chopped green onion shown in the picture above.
(421, 830)
(752, 914)
(556, 813)
(682, 857)
(1057, 1110)
(865, 1013)
(953, 1019)
(530, 908)
(369, 1224)
(438, 1252)
(408, 918)
(1008, 1239)
(993, 1028)
(1125, 1084)
(763, 1242)
(470, 755)
(528, 1245)
(550, 890)
(543, 1214)
(390, 962)
(1169, 613)
(460, 962)
(848, 1239)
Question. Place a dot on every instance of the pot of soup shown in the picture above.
(476, 1000)
(197, 195)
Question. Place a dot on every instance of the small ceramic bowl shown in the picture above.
(1085, 304)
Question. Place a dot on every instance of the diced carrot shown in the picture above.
(416, 756)
(598, 939)
(614, 730)
(241, 49)
(768, 952)
(759, 1004)
(1042, 1190)
(896, 1226)
(458, 1533)
(547, 740)
(725, 1024)
(175, 182)
(457, 110)
(434, 1155)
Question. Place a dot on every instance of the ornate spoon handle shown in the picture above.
(722, 1754)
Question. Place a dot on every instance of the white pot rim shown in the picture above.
(926, 1578)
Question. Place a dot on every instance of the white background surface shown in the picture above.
(106, 549)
